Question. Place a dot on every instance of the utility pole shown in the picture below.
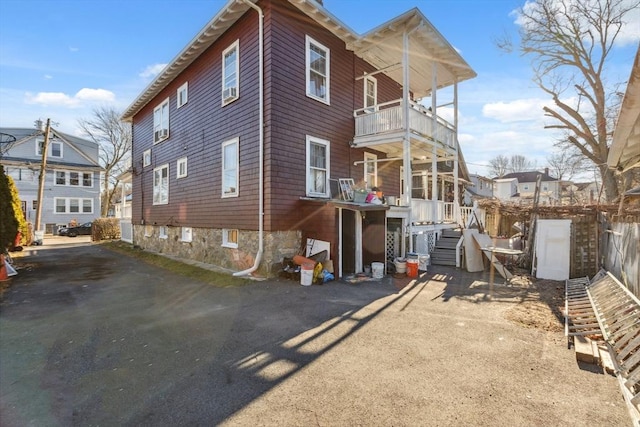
(43, 172)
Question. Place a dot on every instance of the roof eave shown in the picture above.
(220, 23)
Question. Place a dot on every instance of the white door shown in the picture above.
(553, 246)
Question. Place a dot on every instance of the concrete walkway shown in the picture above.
(89, 337)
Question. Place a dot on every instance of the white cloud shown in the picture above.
(80, 99)
(515, 111)
(48, 77)
(152, 70)
(73, 49)
(100, 95)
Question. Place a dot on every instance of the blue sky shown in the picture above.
(59, 59)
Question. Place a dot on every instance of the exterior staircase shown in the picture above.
(444, 252)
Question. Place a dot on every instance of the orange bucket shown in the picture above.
(412, 268)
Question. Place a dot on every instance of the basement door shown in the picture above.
(553, 248)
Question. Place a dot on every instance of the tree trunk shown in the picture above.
(609, 182)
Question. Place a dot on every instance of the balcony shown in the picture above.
(383, 128)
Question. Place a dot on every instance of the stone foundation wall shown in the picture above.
(206, 246)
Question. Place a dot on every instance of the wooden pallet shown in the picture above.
(617, 312)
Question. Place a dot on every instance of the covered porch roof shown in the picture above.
(624, 152)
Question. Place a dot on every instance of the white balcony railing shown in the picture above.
(388, 117)
(422, 211)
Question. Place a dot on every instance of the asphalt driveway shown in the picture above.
(91, 337)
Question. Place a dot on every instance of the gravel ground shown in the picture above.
(89, 337)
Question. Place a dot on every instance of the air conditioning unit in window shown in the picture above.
(229, 93)
(161, 134)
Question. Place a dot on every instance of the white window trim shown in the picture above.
(184, 88)
(228, 98)
(308, 42)
(67, 204)
(67, 179)
(146, 158)
(368, 158)
(373, 107)
(181, 162)
(158, 135)
(310, 140)
(162, 232)
(159, 168)
(225, 238)
(237, 166)
(39, 142)
(186, 234)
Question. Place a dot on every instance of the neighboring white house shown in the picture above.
(505, 188)
(72, 176)
(550, 188)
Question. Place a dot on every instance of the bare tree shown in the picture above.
(519, 163)
(565, 164)
(499, 165)
(114, 139)
(569, 42)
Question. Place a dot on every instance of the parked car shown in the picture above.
(77, 230)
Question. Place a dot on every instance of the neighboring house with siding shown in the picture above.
(481, 187)
(237, 158)
(550, 187)
(72, 176)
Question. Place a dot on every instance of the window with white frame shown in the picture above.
(370, 93)
(161, 185)
(161, 122)
(230, 168)
(73, 178)
(148, 230)
(73, 205)
(181, 167)
(162, 232)
(230, 73)
(55, 148)
(370, 170)
(146, 157)
(229, 238)
(317, 167)
(187, 234)
(182, 95)
(318, 70)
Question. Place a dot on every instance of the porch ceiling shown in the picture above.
(383, 47)
(392, 146)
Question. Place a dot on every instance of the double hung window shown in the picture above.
(230, 167)
(161, 185)
(230, 72)
(318, 70)
(317, 167)
(161, 122)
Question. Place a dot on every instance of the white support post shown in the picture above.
(456, 190)
(434, 158)
(406, 149)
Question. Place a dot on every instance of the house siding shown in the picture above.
(198, 129)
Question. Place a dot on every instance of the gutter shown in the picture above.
(256, 264)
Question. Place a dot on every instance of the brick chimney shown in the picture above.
(546, 171)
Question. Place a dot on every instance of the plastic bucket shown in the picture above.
(401, 265)
(377, 270)
(412, 268)
(306, 274)
(423, 261)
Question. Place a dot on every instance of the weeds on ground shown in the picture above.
(220, 280)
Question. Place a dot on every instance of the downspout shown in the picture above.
(256, 264)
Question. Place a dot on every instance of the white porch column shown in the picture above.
(406, 149)
(434, 158)
(456, 191)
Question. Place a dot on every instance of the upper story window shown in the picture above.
(317, 167)
(55, 148)
(73, 179)
(370, 170)
(161, 122)
(181, 168)
(146, 157)
(317, 69)
(182, 95)
(370, 93)
(230, 168)
(161, 185)
(230, 72)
